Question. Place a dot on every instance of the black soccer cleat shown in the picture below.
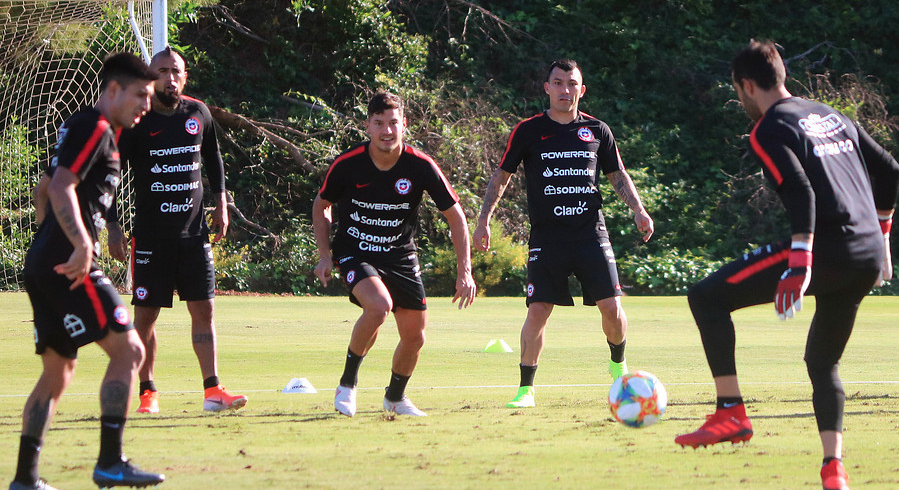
(125, 474)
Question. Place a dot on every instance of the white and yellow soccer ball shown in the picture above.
(638, 399)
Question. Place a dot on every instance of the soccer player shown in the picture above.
(378, 187)
(562, 150)
(74, 302)
(170, 241)
(839, 189)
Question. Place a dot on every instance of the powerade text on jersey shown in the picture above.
(561, 164)
(378, 210)
(165, 154)
(87, 147)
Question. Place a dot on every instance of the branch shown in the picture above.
(231, 23)
(238, 122)
(251, 226)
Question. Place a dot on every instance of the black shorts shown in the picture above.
(401, 276)
(159, 266)
(66, 320)
(591, 261)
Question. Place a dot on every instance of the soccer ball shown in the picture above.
(637, 399)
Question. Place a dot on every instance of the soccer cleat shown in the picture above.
(345, 400)
(725, 425)
(38, 485)
(149, 402)
(403, 407)
(617, 369)
(125, 474)
(833, 476)
(524, 398)
(218, 399)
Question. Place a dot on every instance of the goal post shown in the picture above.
(51, 52)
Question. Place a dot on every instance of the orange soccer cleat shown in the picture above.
(149, 402)
(218, 399)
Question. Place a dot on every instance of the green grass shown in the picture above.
(469, 440)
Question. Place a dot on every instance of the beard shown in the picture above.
(168, 99)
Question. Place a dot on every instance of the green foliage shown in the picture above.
(501, 271)
(18, 158)
(259, 267)
(660, 77)
(668, 273)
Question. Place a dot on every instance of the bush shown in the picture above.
(502, 271)
(670, 273)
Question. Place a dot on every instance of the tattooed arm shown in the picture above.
(495, 189)
(626, 190)
(65, 206)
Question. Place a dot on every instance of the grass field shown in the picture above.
(469, 440)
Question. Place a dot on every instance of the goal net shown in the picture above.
(50, 55)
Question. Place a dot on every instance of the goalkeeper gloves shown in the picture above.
(794, 281)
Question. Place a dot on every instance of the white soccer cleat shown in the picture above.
(345, 400)
(403, 407)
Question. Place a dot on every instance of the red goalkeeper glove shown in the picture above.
(793, 283)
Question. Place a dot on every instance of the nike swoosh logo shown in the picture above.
(120, 476)
(730, 405)
(359, 186)
(546, 137)
(154, 133)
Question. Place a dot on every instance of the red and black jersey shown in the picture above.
(377, 211)
(830, 175)
(561, 163)
(166, 155)
(87, 147)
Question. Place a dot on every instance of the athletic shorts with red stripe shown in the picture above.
(402, 277)
(66, 320)
(752, 280)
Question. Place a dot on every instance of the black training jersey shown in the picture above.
(377, 211)
(823, 167)
(165, 154)
(87, 147)
(560, 164)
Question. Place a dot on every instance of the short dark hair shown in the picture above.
(564, 64)
(383, 101)
(760, 62)
(124, 68)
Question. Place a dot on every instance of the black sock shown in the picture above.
(397, 388)
(728, 401)
(26, 468)
(146, 385)
(527, 374)
(112, 430)
(351, 369)
(617, 351)
(210, 382)
(829, 459)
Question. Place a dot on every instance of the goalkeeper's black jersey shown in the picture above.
(830, 175)
(561, 165)
(165, 154)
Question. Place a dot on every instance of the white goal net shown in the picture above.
(50, 55)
